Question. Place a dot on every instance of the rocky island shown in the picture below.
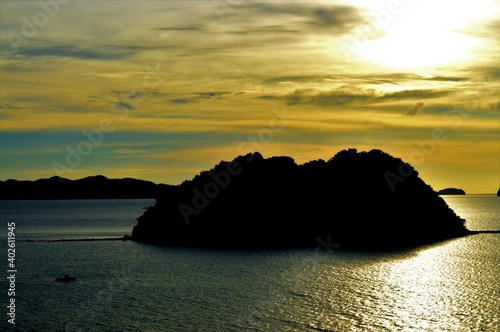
(451, 191)
(355, 200)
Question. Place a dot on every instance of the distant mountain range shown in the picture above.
(92, 187)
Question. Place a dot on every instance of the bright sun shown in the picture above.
(425, 34)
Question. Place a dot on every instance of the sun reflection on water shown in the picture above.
(441, 287)
(428, 288)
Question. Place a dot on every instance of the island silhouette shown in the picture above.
(92, 187)
(366, 199)
(451, 191)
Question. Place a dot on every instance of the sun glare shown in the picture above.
(408, 48)
(424, 34)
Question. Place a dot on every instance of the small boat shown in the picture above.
(65, 278)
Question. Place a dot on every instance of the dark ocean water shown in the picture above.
(126, 286)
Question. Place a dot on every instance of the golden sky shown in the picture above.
(160, 90)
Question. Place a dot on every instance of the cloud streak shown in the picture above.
(334, 17)
(72, 51)
(352, 95)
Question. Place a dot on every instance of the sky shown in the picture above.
(161, 90)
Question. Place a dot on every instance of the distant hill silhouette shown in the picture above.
(358, 199)
(451, 191)
(92, 187)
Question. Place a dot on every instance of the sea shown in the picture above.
(126, 286)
